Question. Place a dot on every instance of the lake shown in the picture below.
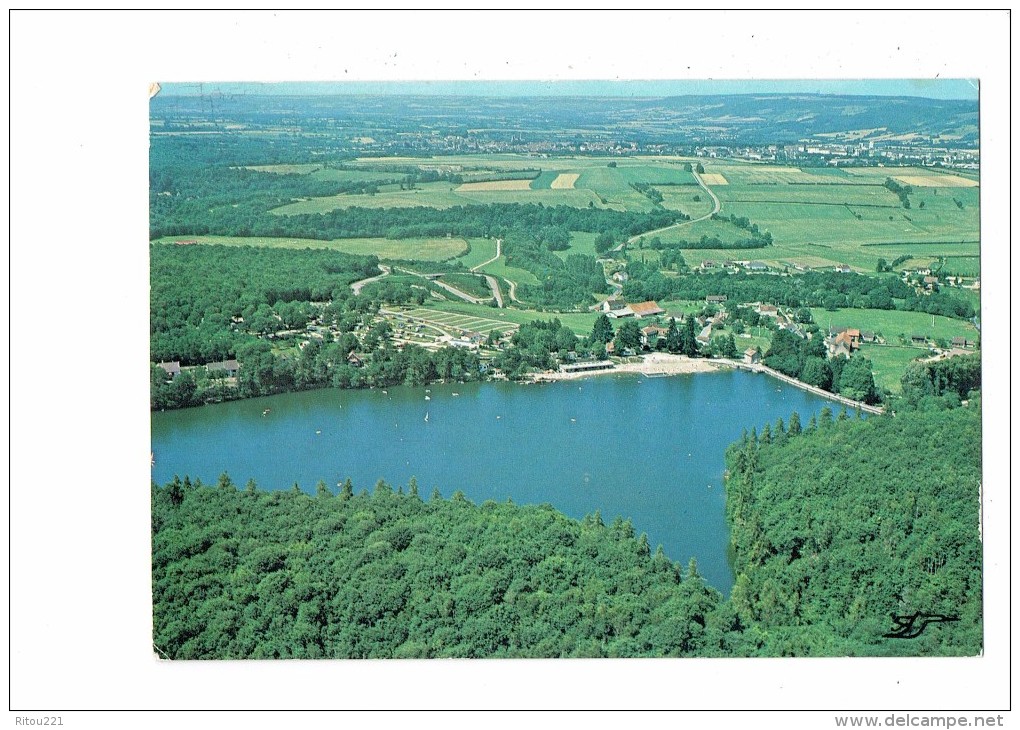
(650, 449)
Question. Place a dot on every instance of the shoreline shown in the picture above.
(655, 364)
(663, 365)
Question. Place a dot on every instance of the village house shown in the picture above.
(708, 264)
(354, 361)
(752, 356)
(173, 369)
(767, 310)
(227, 367)
(844, 342)
(715, 299)
(705, 336)
(651, 334)
(612, 304)
(918, 339)
(963, 342)
(756, 266)
(930, 282)
(843, 269)
(620, 277)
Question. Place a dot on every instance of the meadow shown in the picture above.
(892, 323)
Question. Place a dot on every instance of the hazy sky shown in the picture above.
(932, 88)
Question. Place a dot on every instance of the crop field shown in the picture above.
(495, 185)
(564, 181)
(419, 249)
(544, 180)
(714, 178)
(766, 175)
(835, 194)
(817, 217)
(938, 180)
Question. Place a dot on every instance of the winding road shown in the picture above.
(357, 286)
(717, 206)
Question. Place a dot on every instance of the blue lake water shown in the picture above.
(650, 449)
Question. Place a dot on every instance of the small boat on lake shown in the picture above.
(426, 416)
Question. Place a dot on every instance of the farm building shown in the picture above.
(646, 309)
(715, 298)
(963, 342)
(756, 266)
(843, 269)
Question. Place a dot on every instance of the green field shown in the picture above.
(892, 323)
(889, 362)
(580, 243)
(418, 249)
(818, 218)
(482, 249)
(683, 199)
(499, 268)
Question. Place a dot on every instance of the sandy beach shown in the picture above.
(656, 363)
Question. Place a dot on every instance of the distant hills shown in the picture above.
(685, 120)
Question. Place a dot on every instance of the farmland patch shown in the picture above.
(714, 178)
(936, 180)
(564, 181)
(496, 185)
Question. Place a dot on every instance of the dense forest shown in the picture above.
(837, 529)
(825, 558)
(285, 575)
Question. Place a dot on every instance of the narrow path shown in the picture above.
(499, 252)
(357, 286)
(715, 209)
(513, 291)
